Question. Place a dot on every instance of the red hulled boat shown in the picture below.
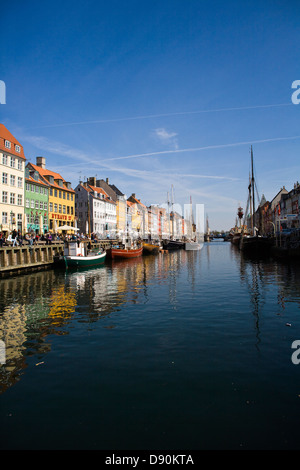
(124, 252)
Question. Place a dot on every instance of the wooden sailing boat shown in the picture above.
(253, 243)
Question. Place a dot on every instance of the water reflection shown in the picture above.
(271, 285)
(35, 306)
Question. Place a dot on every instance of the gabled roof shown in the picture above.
(44, 172)
(89, 188)
(136, 201)
(116, 190)
(6, 135)
(29, 179)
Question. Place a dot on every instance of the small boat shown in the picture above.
(150, 249)
(115, 252)
(190, 246)
(78, 255)
(172, 244)
(127, 249)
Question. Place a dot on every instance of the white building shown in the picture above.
(12, 169)
(95, 211)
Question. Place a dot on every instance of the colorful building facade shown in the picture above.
(61, 196)
(36, 202)
(12, 169)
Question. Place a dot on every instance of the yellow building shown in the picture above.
(61, 197)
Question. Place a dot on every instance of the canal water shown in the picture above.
(186, 350)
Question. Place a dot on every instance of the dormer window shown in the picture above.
(7, 144)
(18, 148)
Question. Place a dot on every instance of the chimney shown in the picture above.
(107, 181)
(133, 195)
(41, 162)
(92, 181)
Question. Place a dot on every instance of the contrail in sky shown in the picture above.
(149, 116)
(208, 147)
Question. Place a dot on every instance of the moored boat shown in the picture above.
(172, 244)
(150, 249)
(253, 243)
(191, 246)
(78, 255)
(256, 244)
(115, 252)
(127, 249)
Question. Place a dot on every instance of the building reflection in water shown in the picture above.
(34, 306)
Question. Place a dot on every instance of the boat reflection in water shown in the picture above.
(166, 340)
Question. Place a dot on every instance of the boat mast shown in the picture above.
(172, 204)
(89, 216)
(253, 197)
(168, 202)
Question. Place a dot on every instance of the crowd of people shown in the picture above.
(15, 238)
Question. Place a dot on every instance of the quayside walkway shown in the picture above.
(15, 259)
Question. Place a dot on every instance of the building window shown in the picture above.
(20, 200)
(18, 148)
(51, 192)
(36, 204)
(20, 182)
(4, 197)
(64, 209)
(27, 203)
(55, 192)
(27, 187)
(45, 206)
(12, 198)
(7, 144)
(4, 159)
(37, 189)
(32, 188)
(41, 205)
(55, 207)
(4, 178)
(4, 217)
(59, 208)
(12, 162)
(51, 206)
(12, 180)
(20, 165)
(32, 204)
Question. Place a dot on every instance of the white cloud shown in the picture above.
(166, 137)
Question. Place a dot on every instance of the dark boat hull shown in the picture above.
(255, 245)
(172, 245)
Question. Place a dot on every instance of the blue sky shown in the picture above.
(157, 93)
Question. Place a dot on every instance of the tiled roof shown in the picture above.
(101, 191)
(6, 135)
(44, 172)
(32, 180)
